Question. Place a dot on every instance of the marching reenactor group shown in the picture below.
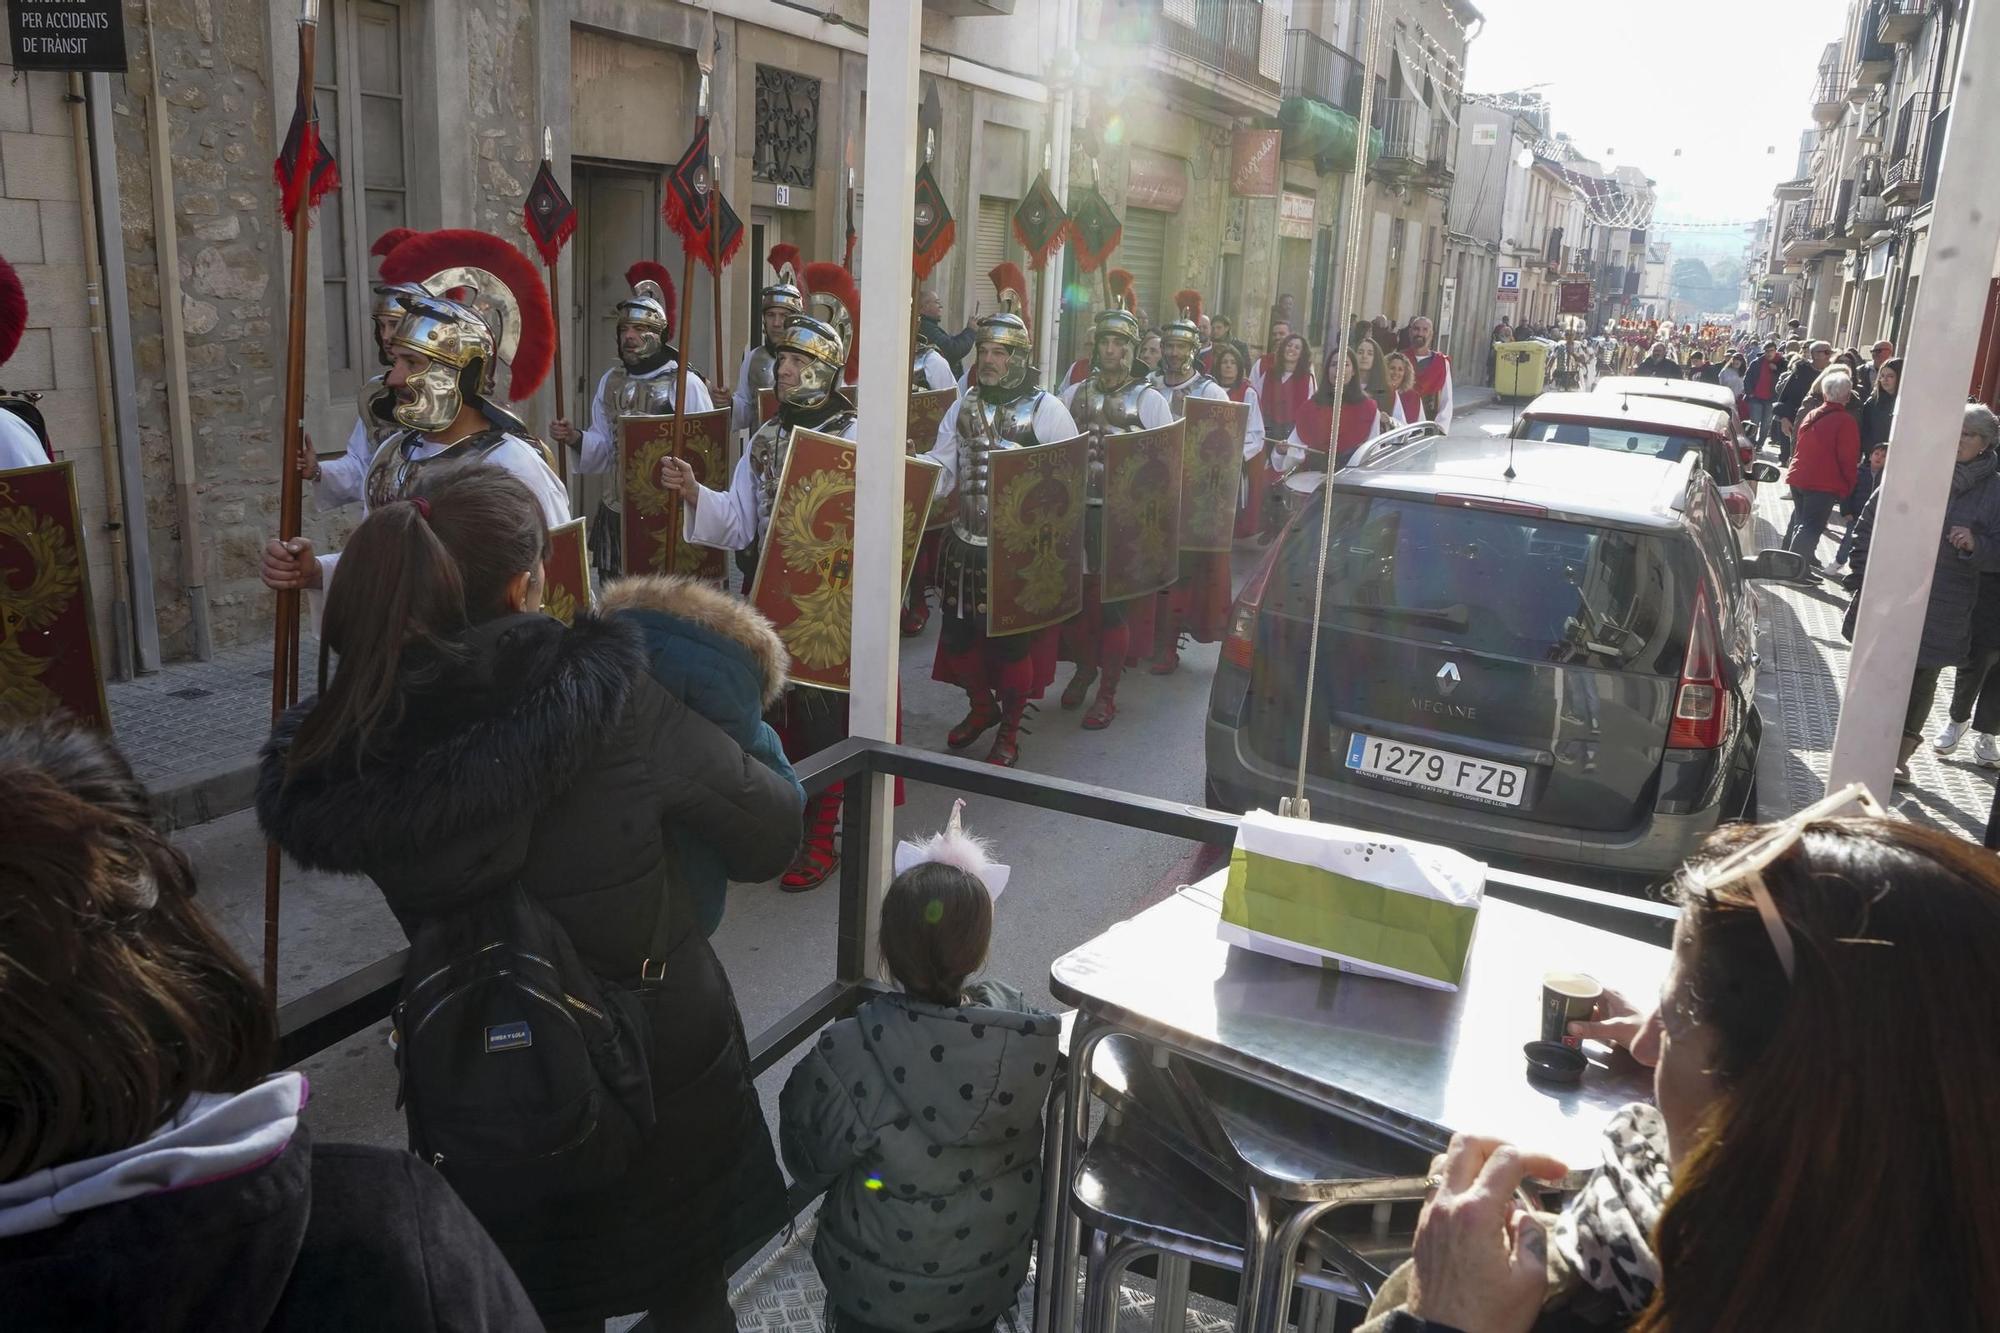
(1090, 525)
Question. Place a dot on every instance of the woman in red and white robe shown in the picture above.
(1283, 388)
(1339, 419)
(1399, 395)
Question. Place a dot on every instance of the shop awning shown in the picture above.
(1315, 131)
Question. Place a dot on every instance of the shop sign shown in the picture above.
(67, 34)
(1295, 215)
(1156, 181)
(1253, 163)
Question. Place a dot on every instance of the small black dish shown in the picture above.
(1554, 1062)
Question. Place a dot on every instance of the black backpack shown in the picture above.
(520, 1070)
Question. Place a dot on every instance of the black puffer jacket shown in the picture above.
(548, 754)
(1974, 504)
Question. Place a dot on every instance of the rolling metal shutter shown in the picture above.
(1144, 252)
(993, 244)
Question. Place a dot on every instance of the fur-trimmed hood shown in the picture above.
(488, 738)
(711, 610)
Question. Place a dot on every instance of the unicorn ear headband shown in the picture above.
(956, 847)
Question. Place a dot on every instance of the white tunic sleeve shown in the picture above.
(698, 397)
(525, 461)
(1154, 409)
(1253, 430)
(341, 479)
(19, 445)
(744, 401)
(944, 452)
(1443, 417)
(1396, 412)
(1053, 422)
(1069, 398)
(937, 372)
(599, 448)
(725, 519)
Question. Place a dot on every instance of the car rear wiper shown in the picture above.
(1452, 616)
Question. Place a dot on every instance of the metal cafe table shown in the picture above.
(1415, 1064)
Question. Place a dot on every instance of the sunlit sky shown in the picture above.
(1631, 81)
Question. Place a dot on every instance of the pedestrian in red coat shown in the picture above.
(1823, 464)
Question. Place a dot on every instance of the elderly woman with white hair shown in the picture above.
(1823, 466)
(1968, 546)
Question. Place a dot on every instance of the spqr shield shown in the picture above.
(1142, 511)
(805, 570)
(1211, 472)
(653, 539)
(48, 643)
(566, 573)
(1035, 535)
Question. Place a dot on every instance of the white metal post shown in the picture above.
(888, 222)
(1944, 333)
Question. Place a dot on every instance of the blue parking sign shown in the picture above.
(1510, 279)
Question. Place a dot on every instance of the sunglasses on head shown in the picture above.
(1747, 863)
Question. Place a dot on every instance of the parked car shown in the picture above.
(1665, 427)
(1542, 655)
(1699, 392)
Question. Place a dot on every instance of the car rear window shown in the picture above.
(1717, 459)
(1487, 581)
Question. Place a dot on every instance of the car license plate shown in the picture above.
(1438, 770)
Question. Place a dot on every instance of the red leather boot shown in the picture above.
(1006, 751)
(984, 713)
(819, 854)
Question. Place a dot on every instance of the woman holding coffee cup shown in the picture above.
(1817, 1158)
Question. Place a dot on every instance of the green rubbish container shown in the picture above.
(1519, 369)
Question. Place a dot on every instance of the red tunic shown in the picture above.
(1357, 427)
(1433, 372)
(1413, 405)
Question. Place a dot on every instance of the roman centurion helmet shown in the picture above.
(650, 309)
(1008, 327)
(390, 301)
(482, 302)
(784, 294)
(1186, 326)
(824, 338)
(1118, 320)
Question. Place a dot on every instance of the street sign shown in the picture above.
(1447, 307)
(1510, 279)
(67, 34)
(1507, 294)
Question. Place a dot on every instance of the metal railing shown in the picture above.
(1406, 130)
(1443, 153)
(1911, 174)
(1871, 52)
(1316, 68)
(1224, 35)
(335, 1012)
(1902, 20)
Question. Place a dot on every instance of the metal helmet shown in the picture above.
(391, 301)
(784, 294)
(488, 304)
(650, 308)
(825, 354)
(459, 350)
(1008, 327)
(1183, 332)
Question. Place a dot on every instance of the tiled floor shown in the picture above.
(192, 717)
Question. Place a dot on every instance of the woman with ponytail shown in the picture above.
(466, 744)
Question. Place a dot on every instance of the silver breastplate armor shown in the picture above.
(763, 367)
(1106, 413)
(982, 428)
(1177, 397)
(625, 396)
(768, 450)
(395, 474)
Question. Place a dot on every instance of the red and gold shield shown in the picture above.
(1142, 511)
(48, 642)
(767, 405)
(566, 573)
(927, 409)
(1211, 472)
(1034, 552)
(805, 571)
(652, 537)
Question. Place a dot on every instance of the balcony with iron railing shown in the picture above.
(1910, 176)
(1441, 161)
(1902, 20)
(1222, 36)
(1316, 68)
(1874, 59)
(1812, 233)
(1868, 216)
(1406, 137)
(1829, 100)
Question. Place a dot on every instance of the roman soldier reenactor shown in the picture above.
(811, 357)
(776, 302)
(445, 353)
(22, 442)
(1433, 373)
(929, 371)
(1006, 408)
(643, 384)
(337, 481)
(1112, 400)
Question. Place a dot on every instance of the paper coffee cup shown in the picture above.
(1567, 997)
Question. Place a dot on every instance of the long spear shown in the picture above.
(550, 219)
(687, 270)
(304, 173)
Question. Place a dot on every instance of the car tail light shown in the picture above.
(1701, 702)
(1738, 506)
(1241, 641)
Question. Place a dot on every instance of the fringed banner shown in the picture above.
(1040, 224)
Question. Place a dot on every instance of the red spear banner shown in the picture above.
(551, 220)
